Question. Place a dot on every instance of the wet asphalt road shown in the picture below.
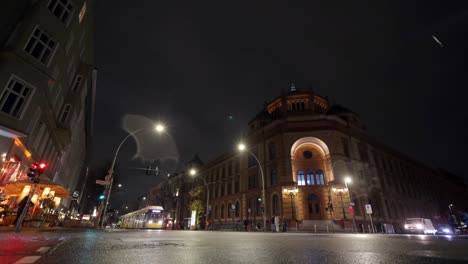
(151, 246)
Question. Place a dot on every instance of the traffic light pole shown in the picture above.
(19, 224)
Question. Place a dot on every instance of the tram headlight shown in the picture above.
(150, 221)
(160, 222)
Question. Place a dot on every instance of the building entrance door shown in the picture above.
(314, 209)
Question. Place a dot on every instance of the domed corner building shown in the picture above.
(307, 147)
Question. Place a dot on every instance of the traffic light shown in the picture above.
(36, 170)
(102, 197)
(32, 172)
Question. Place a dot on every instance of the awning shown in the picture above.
(15, 188)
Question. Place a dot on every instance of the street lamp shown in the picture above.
(160, 128)
(450, 208)
(242, 147)
(193, 172)
(340, 192)
(120, 185)
(292, 193)
(346, 181)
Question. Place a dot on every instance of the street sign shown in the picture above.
(368, 209)
(102, 182)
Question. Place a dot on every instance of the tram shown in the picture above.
(148, 217)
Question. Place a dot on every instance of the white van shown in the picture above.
(419, 225)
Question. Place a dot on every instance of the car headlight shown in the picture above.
(419, 226)
(446, 231)
(406, 226)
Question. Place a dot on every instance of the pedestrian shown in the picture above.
(277, 223)
(273, 224)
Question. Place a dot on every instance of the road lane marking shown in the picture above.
(57, 246)
(43, 250)
(28, 260)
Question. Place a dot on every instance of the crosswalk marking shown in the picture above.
(43, 250)
(28, 260)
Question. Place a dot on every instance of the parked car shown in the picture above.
(419, 226)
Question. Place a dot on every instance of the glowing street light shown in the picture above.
(242, 147)
(160, 127)
(193, 172)
(120, 185)
(144, 198)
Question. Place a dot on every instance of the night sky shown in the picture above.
(194, 66)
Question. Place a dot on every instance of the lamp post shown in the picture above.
(340, 192)
(193, 172)
(292, 193)
(242, 147)
(159, 128)
(450, 208)
(348, 180)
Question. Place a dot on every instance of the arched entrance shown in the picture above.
(311, 173)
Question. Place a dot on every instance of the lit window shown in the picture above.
(273, 177)
(62, 9)
(300, 178)
(310, 178)
(41, 46)
(14, 97)
(319, 176)
(65, 113)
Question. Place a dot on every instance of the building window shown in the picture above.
(237, 209)
(77, 83)
(271, 151)
(310, 178)
(62, 9)
(236, 187)
(215, 212)
(14, 97)
(252, 181)
(222, 211)
(41, 46)
(300, 178)
(273, 177)
(65, 113)
(250, 206)
(251, 162)
(275, 202)
(319, 177)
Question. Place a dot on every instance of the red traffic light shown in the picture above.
(42, 165)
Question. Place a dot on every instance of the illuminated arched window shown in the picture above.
(310, 178)
(319, 177)
(300, 178)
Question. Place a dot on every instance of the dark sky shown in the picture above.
(193, 66)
